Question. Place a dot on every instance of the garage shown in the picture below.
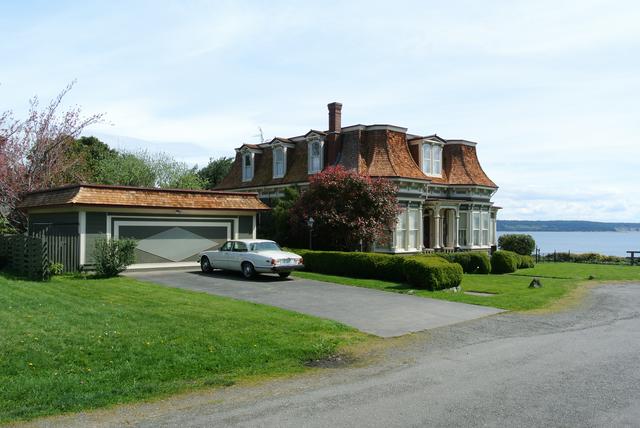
(171, 226)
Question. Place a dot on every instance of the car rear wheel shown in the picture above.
(205, 265)
(248, 270)
(284, 274)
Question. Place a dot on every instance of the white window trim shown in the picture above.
(309, 155)
(430, 171)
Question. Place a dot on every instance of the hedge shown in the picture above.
(525, 262)
(503, 261)
(433, 273)
(471, 261)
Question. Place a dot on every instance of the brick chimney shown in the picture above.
(335, 117)
(333, 139)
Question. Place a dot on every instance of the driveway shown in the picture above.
(376, 312)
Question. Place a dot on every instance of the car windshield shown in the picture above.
(265, 246)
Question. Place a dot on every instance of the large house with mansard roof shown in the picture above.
(444, 193)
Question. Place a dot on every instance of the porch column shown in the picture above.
(436, 229)
(494, 230)
(456, 244)
(420, 243)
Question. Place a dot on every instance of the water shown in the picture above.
(609, 243)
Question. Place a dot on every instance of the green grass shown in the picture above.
(74, 344)
(510, 291)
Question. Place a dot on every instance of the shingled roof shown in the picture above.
(378, 153)
(143, 197)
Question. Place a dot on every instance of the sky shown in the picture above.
(550, 90)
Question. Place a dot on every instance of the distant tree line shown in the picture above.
(563, 226)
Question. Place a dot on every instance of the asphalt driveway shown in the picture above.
(372, 311)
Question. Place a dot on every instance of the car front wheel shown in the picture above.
(248, 270)
(205, 265)
(284, 274)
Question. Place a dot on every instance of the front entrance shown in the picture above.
(426, 231)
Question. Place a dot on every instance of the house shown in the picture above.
(443, 191)
(171, 226)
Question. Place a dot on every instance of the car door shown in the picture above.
(221, 257)
(238, 254)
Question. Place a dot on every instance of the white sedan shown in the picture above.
(251, 256)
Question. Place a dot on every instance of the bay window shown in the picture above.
(485, 228)
(401, 229)
(476, 228)
(463, 224)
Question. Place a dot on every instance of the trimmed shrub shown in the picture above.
(518, 243)
(471, 261)
(504, 262)
(113, 256)
(432, 273)
(525, 262)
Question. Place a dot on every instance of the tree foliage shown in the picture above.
(215, 171)
(518, 243)
(144, 169)
(347, 208)
(34, 152)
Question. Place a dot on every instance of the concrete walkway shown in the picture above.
(376, 312)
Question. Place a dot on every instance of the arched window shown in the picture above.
(247, 167)
(315, 157)
(278, 162)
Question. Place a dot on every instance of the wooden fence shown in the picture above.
(63, 247)
(25, 256)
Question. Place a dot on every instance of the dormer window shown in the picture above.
(315, 156)
(279, 162)
(431, 158)
(247, 166)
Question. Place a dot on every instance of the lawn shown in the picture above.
(74, 344)
(509, 291)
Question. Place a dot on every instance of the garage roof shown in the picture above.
(143, 197)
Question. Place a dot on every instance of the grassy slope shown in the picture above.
(74, 344)
(509, 291)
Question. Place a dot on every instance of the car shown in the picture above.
(251, 256)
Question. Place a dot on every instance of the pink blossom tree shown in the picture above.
(35, 152)
(347, 208)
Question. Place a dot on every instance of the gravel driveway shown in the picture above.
(376, 312)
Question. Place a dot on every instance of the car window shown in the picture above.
(227, 246)
(265, 246)
(240, 246)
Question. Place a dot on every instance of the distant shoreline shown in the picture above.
(564, 226)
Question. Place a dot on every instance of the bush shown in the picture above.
(504, 262)
(113, 256)
(517, 243)
(525, 262)
(56, 268)
(471, 261)
(433, 273)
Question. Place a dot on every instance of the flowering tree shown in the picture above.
(35, 152)
(348, 209)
